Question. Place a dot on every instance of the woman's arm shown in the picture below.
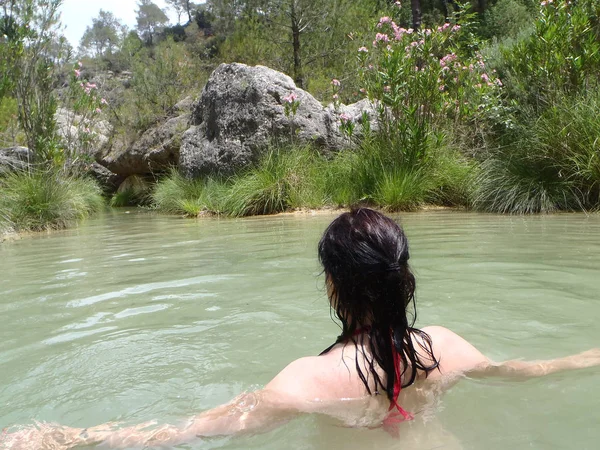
(528, 369)
(286, 396)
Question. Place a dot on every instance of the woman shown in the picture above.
(379, 363)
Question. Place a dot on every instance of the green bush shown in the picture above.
(283, 179)
(554, 165)
(506, 18)
(175, 194)
(561, 56)
(46, 199)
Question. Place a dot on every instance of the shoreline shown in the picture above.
(10, 236)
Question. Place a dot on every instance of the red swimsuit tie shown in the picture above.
(396, 413)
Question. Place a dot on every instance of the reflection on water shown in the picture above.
(133, 317)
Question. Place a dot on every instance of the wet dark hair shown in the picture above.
(365, 258)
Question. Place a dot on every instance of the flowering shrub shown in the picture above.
(84, 105)
(422, 78)
(291, 104)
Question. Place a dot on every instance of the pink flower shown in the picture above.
(363, 50)
(455, 28)
(498, 82)
(344, 117)
(387, 89)
(290, 98)
(363, 90)
(442, 87)
(485, 77)
(544, 3)
(399, 32)
(335, 96)
(409, 31)
(98, 110)
(80, 64)
(336, 82)
(428, 32)
(398, 4)
(103, 102)
(81, 84)
(382, 37)
(77, 73)
(446, 26)
(383, 20)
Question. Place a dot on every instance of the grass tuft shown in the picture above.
(46, 199)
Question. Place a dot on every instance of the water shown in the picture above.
(133, 317)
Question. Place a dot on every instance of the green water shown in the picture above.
(133, 317)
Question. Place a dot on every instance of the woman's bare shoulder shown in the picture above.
(454, 353)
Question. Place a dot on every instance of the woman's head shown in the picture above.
(365, 258)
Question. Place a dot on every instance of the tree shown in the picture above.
(150, 19)
(179, 7)
(31, 50)
(417, 16)
(104, 36)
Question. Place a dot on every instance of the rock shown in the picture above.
(355, 112)
(71, 128)
(156, 150)
(108, 181)
(15, 158)
(184, 106)
(241, 111)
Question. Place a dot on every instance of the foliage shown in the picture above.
(177, 195)
(561, 56)
(284, 179)
(9, 130)
(104, 36)
(32, 52)
(506, 18)
(46, 199)
(553, 166)
(160, 78)
(82, 106)
(150, 19)
(423, 80)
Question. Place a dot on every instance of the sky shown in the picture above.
(78, 14)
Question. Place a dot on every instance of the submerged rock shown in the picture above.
(242, 111)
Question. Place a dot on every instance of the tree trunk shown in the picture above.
(298, 76)
(188, 8)
(415, 6)
(482, 6)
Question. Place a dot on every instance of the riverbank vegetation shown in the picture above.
(46, 199)
(492, 106)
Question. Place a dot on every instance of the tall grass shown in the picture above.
(176, 194)
(293, 178)
(552, 164)
(46, 199)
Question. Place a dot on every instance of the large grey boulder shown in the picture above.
(15, 158)
(242, 110)
(156, 150)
